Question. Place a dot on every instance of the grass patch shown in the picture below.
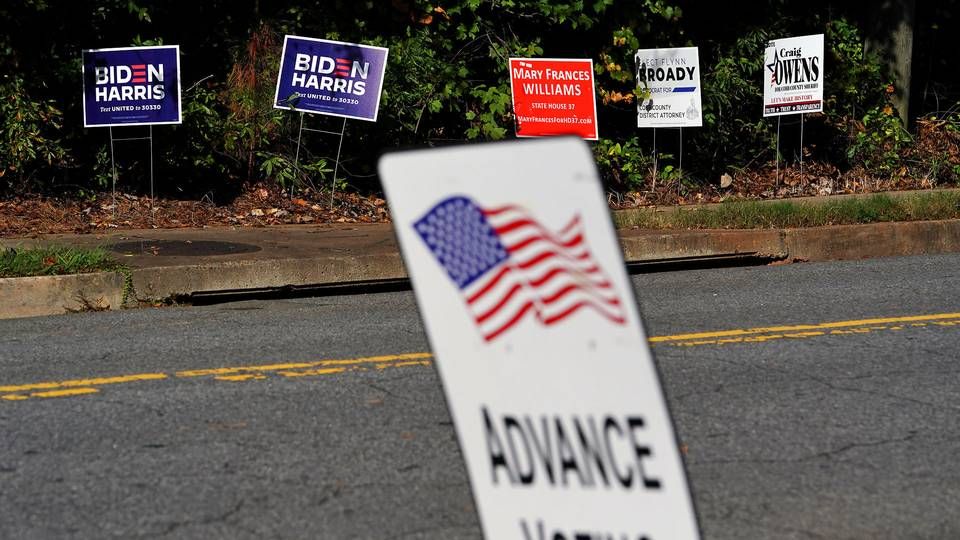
(56, 260)
(788, 214)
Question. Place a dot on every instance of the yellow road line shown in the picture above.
(65, 393)
(804, 327)
(77, 387)
(69, 392)
(303, 365)
(100, 381)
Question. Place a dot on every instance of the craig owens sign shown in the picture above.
(538, 340)
(673, 78)
(793, 76)
(131, 86)
(330, 77)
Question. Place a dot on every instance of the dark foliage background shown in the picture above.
(447, 82)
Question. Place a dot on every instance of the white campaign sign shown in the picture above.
(793, 76)
(531, 316)
(673, 78)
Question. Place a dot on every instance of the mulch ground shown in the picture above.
(257, 206)
(816, 179)
(932, 161)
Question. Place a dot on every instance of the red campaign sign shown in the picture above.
(553, 96)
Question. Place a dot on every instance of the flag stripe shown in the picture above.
(575, 241)
(582, 304)
(559, 269)
(520, 292)
(490, 284)
(509, 324)
(508, 265)
(573, 287)
(550, 254)
(517, 287)
(554, 272)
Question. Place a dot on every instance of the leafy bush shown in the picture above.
(624, 164)
(878, 141)
(27, 131)
(446, 81)
(253, 125)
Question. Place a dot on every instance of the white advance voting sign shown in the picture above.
(793, 76)
(673, 78)
(531, 316)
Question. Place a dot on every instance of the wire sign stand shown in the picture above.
(679, 164)
(336, 163)
(777, 155)
(329, 78)
(113, 165)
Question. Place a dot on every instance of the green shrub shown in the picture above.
(27, 135)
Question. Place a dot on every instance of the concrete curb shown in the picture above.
(840, 242)
(25, 297)
(166, 282)
(54, 295)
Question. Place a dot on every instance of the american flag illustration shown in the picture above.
(509, 267)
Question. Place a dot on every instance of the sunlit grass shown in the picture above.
(787, 214)
(54, 260)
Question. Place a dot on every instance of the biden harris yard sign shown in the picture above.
(330, 77)
(131, 86)
(545, 364)
(672, 76)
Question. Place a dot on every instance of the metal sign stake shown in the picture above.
(653, 187)
(296, 159)
(336, 163)
(113, 167)
(113, 171)
(801, 147)
(336, 166)
(680, 167)
(153, 216)
(777, 155)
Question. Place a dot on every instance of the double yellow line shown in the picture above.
(78, 387)
(802, 331)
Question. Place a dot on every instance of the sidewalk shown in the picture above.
(178, 262)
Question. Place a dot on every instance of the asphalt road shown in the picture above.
(324, 418)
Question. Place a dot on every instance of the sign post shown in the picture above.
(131, 86)
(672, 77)
(553, 96)
(333, 78)
(545, 364)
(793, 84)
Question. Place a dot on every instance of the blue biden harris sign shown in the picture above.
(131, 86)
(331, 77)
